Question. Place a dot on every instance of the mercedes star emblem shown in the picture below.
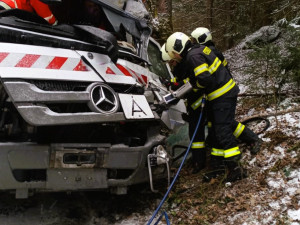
(103, 98)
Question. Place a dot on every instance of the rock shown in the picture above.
(263, 36)
(137, 9)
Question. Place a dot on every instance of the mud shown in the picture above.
(81, 208)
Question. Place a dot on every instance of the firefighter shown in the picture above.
(198, 146)
(203, 36)
(36, 6)
(206, 73)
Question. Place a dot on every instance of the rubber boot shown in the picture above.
(216, 162)
(199, 160)
(248, 136)
(255, 146)
(235, 170)
(216, 168)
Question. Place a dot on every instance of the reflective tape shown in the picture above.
(224, 62)
(217, 152)
(209, 124)
(198, 85)
(197, 103)
(197, 145)
(221, 91)
(186, 80)
(201, 69)
(214, 66)
(231, 152)
(204, 67)
(239, 129)
(20, 60)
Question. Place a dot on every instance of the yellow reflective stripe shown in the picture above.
(197, 103)
(224, 62)
(209, 124)
(198, 145)
(221, 91)
(231, 152)
(173, 79)
(217, 152)
(239, 129)
(195, 90)
(199, 86)
(186, 80)
(201, 69)
(215, 65)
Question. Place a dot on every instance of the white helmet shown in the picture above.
(202, 35)
(164, 55)
(176, 43)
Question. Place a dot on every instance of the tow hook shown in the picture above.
(158, 157)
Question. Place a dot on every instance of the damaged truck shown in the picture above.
(81, 106)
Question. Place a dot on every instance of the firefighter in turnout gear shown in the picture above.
(36, 6)
(205, 71)
(198, 146)
(203, 36)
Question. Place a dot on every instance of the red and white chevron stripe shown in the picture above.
(142, 79)
(41, 62)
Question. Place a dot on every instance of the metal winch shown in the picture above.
(158, 157)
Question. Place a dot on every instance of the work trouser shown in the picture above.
(221, 113)
(240, 131)
(243, 133)
(199, 140)
(198, 146)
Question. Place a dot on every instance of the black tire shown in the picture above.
(256, 121)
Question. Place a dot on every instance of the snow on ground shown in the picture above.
(275, 171)
(278, 198)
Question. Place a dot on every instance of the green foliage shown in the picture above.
(230, 20)
(275, 65)
(287, 171)
(266, 70)
(291, 64)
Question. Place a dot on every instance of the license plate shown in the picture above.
(135, 106)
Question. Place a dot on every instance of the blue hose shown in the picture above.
(177, 174)
(166, 217)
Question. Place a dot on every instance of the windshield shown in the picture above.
(158, 66)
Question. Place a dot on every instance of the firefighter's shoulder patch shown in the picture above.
(206, 50)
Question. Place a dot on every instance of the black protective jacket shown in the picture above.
(207, 74)
(218, 53)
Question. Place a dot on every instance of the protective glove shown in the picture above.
(169, 84)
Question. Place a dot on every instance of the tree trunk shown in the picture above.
(209, 7)
(161, 11)
(266, 114)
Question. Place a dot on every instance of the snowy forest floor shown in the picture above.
(270, 195)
